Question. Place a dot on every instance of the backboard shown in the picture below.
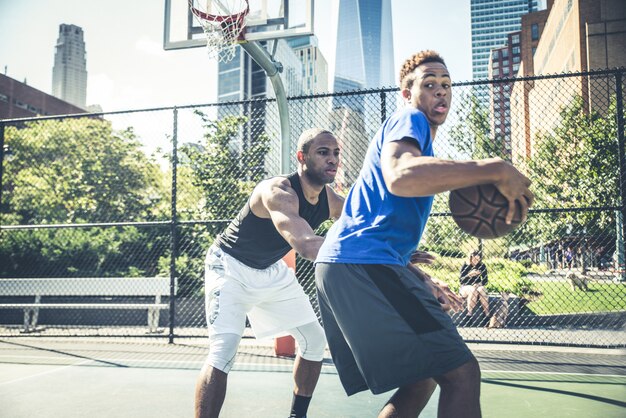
(267, 19)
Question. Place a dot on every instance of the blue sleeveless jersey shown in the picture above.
(375, 226)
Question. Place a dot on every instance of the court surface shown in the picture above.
(63, 377)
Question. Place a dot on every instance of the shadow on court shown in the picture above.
(104, 378)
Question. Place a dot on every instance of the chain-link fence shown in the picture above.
(105, 218)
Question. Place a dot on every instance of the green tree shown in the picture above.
(575, 165)
(79, 171)
(223, 170)
(224, 167)
(472, 136)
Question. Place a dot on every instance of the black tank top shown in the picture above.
(255, 242)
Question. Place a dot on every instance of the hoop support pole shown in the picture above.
(272, 70)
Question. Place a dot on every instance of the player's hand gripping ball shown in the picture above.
(481, 210)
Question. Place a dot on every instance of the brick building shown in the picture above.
(503, 63)
(19, 100)
(574, 36)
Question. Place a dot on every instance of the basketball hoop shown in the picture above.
(224, 29)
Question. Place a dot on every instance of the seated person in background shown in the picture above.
(473, 282)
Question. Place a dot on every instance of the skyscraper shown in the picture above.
(314, 65)
(364, 54)
(492, 21)
(364, 60)
(69, 75)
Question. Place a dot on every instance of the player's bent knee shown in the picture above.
(311, 341)
(468, 374)
(222, 351)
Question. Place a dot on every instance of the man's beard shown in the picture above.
(318, 179)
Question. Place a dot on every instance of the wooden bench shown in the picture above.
(92, 286)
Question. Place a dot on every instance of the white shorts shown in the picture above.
(272, 298)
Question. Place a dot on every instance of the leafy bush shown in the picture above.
(504, 275)
(526, 263)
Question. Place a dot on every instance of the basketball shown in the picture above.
(481, 210)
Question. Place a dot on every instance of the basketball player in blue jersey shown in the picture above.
(382, 316)
(245, 273)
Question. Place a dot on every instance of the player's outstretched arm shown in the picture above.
(281, 202)
(407, 173)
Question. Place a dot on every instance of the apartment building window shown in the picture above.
(515, 39)
(516, 50)
(534, 31)
(19, 104)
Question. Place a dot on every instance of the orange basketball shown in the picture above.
(481, 210)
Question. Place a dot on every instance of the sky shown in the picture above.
(128, 68)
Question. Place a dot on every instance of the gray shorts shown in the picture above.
(384, 327)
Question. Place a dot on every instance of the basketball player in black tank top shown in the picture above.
(281, 213)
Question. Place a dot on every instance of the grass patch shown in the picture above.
(546, 298)
(559, 298)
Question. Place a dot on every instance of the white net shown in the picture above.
(223, 22)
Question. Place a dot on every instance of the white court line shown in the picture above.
(132, 360)
(43, 373)
(98, 359)
(553, 373)
(275, 366)
(199, 363)
(103, 360)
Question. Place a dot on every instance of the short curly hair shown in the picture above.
(406, 73)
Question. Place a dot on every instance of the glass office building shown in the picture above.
(364, 60)
(492, 21)
(364, 54)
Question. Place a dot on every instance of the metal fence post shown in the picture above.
(1, 165)
(383, 106)
(619, 110)
(173, 229)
